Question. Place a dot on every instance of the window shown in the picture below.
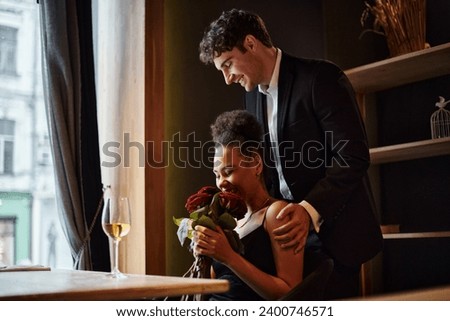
(30, 230)
(8, 48)
(7, 240)
(6, 146)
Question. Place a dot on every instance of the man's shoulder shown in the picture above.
(304, 60)
(289, 61)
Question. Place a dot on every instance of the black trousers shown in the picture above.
(344, 281)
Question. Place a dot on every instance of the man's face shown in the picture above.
(239, 67)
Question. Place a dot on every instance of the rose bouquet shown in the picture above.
(211, 207)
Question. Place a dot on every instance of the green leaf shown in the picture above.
(227, 221)
(195, 215)
(206, 221)
(215, 206)
(177, 221)
(234, 240)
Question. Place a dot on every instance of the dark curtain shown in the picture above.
(70, 98)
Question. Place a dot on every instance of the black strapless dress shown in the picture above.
(258, 251)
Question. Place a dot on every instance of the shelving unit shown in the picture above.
(393, 72)
(401, 70)
(416, 66)
(418, 235)
(390, 73)
(409, 151)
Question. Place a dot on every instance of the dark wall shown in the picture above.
(195, 94)
(349, 44)
(438, 27)
(346, 42)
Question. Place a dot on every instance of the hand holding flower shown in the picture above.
(211, 208)
(210, 226)
(212, 243)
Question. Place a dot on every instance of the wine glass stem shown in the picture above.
(116, 257)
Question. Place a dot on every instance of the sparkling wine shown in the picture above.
(116, 230)
(116, 224)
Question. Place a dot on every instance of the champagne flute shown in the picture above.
(116, 224)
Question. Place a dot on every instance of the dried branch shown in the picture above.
(401, 21)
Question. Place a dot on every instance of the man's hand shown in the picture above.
(292, 234)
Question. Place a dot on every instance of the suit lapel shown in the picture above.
(285, 83)
(261, 109)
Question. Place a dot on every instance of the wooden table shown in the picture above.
(88, 285)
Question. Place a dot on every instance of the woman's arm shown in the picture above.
(289, 265)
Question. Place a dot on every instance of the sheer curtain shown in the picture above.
(69, 89)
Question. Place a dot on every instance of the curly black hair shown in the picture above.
(238, 128)
(229, 31)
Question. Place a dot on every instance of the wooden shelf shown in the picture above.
(401, 70)
(438, 293)
(416, 235)
(409, 151)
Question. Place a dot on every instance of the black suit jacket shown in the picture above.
(324, 154)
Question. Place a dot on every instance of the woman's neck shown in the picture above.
(258, 201)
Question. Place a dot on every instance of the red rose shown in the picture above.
(208, 190)
(233, 203)
(218, 206)
(197, 201)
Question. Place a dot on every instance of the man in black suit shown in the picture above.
(318, 155)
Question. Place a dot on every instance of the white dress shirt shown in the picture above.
(271, 93)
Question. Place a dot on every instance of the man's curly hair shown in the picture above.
(229, 31)
(238, 128)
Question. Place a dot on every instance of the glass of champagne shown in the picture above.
(116, 224)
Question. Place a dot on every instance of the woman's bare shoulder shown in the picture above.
(273, 211)
(277, 205)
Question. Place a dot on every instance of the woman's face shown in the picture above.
(236, 173)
